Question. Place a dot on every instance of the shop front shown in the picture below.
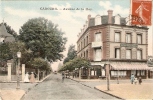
(125, 70)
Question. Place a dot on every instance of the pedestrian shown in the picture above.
(135, 80)
(140, 80)
(32, 77)
(132, 78)
(26, 78)
(63, 76)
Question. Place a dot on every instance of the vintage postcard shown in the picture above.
(76, 49)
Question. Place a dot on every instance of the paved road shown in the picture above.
(53, 88)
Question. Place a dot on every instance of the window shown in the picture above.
(81, 45)
(87, 40)
(128, 38)
(117, 53)
(117, 37)
(103, 72)
(98, 20)
(142, 73)
(98, 37)
(87, 54)
(117, 19)
(139, 38)
(139, 54)
(84, 43)
(138, 73)
(128, 54)
(97, 54)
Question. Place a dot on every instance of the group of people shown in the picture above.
(29, 78)
(135, 80)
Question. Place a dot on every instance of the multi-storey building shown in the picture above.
(111, 39)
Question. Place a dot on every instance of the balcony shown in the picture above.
(96, 44)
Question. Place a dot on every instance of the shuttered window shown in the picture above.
(117, 53)
(128, 54)
(98, 20)
(97, 54)
(139, 54)
(139, 38)
(117, 37)
(128, 38)
(98, 37)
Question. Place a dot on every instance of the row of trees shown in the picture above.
(39, 40)
(71, 62)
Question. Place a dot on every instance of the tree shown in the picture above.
(5, 54)
(72, 53)
(43, 38)
(39, 63)
(10, 30)
(77, 62)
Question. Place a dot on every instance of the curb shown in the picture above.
(33, 87)
(98, 89)
(108, 93)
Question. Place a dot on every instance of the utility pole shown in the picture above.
(108, 76)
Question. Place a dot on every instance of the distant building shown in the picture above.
(111, 39)
(4, 35)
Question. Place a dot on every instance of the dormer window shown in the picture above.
(98, 20)
(117, 19)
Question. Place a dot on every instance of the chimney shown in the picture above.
(89, 16)
(110, 14)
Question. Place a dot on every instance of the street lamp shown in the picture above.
(18, 70)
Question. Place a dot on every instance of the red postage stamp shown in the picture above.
(141, 12)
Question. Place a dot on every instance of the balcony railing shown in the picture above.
(96, 44)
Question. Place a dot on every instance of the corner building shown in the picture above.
(111, 39)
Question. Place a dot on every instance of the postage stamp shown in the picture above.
(141, 12)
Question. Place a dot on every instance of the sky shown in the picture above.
(16, 13)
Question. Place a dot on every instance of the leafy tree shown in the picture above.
(5, 53)
(72, 53)
(43, 38)
(77, 62)
(39, 63)
(10, 30)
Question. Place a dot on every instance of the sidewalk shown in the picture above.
(129, 91)
(8, 91)
(123, 90)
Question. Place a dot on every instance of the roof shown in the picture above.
(129, 66)
(4, 33)
(105, 20)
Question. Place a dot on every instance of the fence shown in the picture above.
(9, 73)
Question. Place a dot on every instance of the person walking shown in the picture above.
(63, 76)
(140, 80)
(26, 78)
(32, 77)
(135, 80)
(132, 78)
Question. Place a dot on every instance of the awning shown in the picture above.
(130, 66)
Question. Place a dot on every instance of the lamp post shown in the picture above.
(18, 69)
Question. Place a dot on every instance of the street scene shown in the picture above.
(76, 50)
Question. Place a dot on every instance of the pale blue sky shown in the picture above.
(16, 13)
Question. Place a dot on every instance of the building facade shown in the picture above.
(112, 40)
